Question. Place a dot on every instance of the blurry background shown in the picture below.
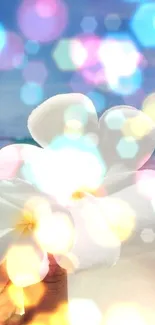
(102, 48)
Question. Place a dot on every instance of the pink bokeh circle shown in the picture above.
(12, 54)
(84, 53)
(88, 45)
(10, 162)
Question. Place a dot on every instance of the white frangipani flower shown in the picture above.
(109, 223)
(126, 140)
(72, 163)
(90, 167)
(119, 127)
(29, 226)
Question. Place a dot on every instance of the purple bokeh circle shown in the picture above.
(36, 25)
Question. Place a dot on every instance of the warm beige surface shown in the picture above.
(130, 281)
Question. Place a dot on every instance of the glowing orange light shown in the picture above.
(60, 316)
(34, 294)
(16, 295)
(23, 265)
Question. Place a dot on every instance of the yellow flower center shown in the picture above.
(27, 223)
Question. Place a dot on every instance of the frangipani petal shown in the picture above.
(69, 170)
(19, 202)
(130, 211)
(70, 153)
(15, 208)
(17, 160)
(26, 262)
(125, 141)
(127, 137)
(10, 162)
(71, 115)
(116, 181)
(11, 209)
(15, 193)
(34, 167)
(104, 225)
(41, 167)
(7, 239)
(95, 243)
(55, 230)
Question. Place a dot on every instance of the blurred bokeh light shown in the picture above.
(148, 106)
(105, 50)
(127, 147)
(35, 71)
(121, 61)
(12, 52)
(31, 93)
(112, 22)
(115, 120)
(49, 47)
(88, 24)
(62, 55)
(32, 47)
(143, 24)
(2, 37)
(84, 311)
(42, 20)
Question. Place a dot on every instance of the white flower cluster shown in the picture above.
(81, 196)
